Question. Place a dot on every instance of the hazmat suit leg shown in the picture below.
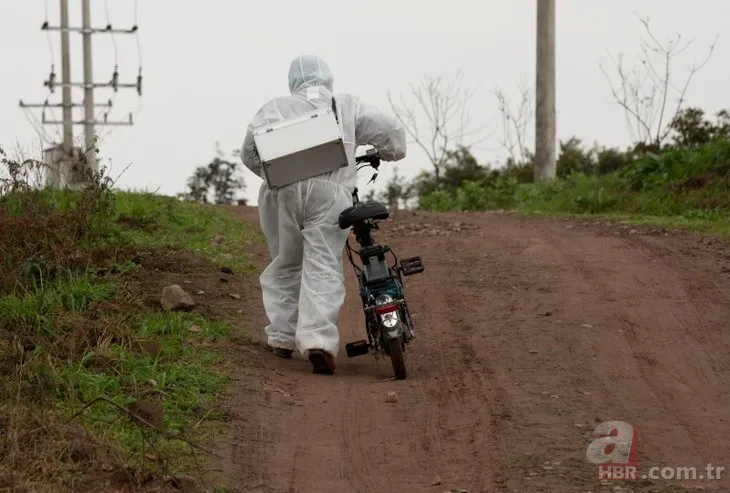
(281, 279)
(323, 284)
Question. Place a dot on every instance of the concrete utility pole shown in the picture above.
(89, 122)
(89, 136)
(545, 128)
(68, 133)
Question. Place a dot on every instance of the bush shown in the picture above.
(677, 165)
(691, 183)
(437, 201)
(579, 193)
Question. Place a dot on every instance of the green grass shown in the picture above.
(705, 210)
(34, 309)
(72, 330)
(211, 233)
(608, 197)
(182, 375)
(181, 378)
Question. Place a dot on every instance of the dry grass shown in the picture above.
(42, 453)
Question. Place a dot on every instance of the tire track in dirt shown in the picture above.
(658, 356)
(706, 283)
(528, 333)
(458, 427)
(666, 316)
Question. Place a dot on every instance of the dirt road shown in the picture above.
(528, 334)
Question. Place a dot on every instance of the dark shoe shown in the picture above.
(280, 352)
(322, 362)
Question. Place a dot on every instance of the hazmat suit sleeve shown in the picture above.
(249, 156)
(382, 131)
(269, 113)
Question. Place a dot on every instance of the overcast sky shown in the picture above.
(208, 66)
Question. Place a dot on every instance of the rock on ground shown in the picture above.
(175, 298)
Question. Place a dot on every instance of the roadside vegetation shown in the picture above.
(675, 172)
(685, 183)
(101, 388)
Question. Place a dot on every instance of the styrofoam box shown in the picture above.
(300, 148)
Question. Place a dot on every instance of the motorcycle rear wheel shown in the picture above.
(397, 358)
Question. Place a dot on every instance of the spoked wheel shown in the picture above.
(395, 349)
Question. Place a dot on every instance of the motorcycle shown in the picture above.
(388, 323)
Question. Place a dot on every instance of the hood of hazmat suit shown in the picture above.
(303, 286)
(311, 77)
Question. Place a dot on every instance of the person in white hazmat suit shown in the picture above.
(303, 286)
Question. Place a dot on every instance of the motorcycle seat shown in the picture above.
(362, 212)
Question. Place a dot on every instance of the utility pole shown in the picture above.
(89, 137)
(545, 127)
(88, 160)
(68, 133)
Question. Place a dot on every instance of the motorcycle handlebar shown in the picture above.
(371, 157)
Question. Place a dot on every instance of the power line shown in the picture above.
(52, 53)
(90, 120)
(135, 22)
(38, 126)
(113, 36)
(48, 36)
(136, 32)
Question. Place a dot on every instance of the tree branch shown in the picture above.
(515, 122)
(445, 108)
(649, 107)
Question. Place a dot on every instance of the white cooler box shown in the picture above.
(300, 148)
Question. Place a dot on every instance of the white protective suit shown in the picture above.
(303, 286)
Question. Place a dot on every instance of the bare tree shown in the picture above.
(444, 105)
(645, 92)
(516, 122)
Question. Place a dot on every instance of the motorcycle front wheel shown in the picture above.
(397, 358)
